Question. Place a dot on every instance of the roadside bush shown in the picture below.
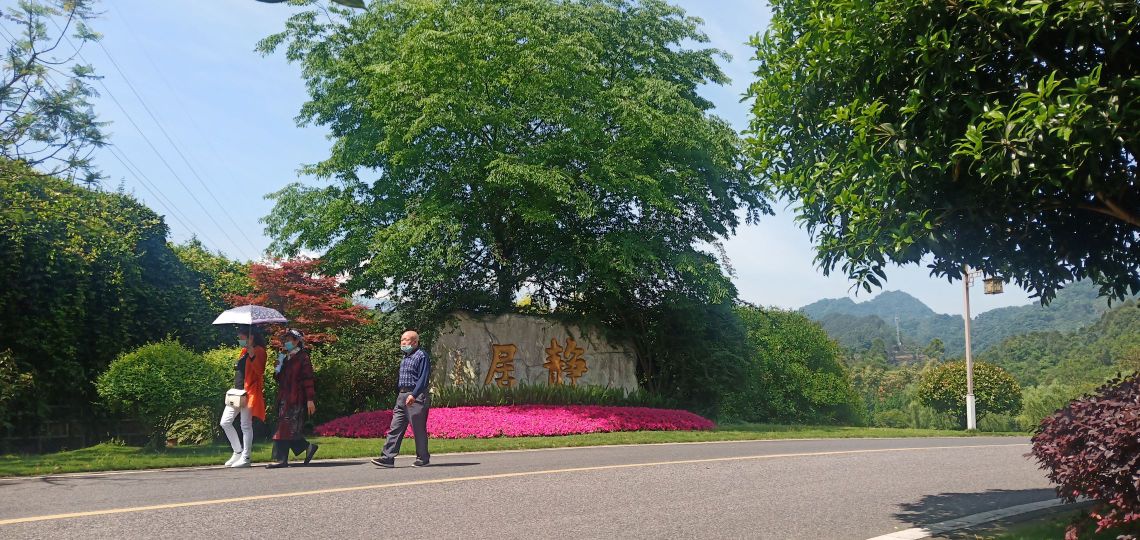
(943, 389)
(793, 373)
(999, 423)
(195, 426)
(892, 418)
(13, 385)
(223, 358)
(543, 394)
(359, 371)
(1040, 402)
(922, 417)
(1091, 448)
(159, 383)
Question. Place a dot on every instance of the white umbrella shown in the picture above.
(250, 315)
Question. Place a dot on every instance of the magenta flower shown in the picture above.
(522, 421)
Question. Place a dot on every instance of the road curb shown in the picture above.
(966, 522)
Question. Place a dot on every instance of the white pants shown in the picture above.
(227, 422)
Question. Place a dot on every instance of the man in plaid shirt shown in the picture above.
(412, 402)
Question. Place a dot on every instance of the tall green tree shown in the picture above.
(46, 117)
(483, 148)
(87, 275)
(1002, 134)
(218, 278)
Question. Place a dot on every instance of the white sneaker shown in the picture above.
(241, 463)
(233, 459)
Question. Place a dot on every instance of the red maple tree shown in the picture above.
(314, 303)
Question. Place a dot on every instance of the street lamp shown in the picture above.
(993, 285)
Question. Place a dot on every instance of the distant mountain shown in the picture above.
(856, 326)
(1081, 358)
(886, 306)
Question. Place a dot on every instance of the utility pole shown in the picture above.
(971, 418)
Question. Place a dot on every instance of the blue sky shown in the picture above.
(215, 133)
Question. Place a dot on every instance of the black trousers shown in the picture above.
(281, 449)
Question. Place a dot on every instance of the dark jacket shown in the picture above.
(295, 380)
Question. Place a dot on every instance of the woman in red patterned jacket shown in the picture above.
(295, 396)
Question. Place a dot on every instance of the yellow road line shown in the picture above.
(212, 502)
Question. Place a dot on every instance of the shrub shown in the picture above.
(196, 426)
(943, 388)
(223, 358)
(793, 373)
(999, 423)
(1091, 448)
(1040, 402)
(158, 383)
(359, 371)
(892, 418)
(543, 394)
(922, 417)
(13, 384)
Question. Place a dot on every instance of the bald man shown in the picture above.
(412, 402)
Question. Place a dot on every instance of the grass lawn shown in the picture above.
(109, 457)
(1052, 527)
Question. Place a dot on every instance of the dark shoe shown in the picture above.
(381, 462)
(277, 465)
(310, 453)
(421, 463)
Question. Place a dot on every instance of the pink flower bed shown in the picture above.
(522, 421)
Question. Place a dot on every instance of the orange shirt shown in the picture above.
(255, 381)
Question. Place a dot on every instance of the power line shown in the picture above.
(134, 170)
(152, 188)
(182, 107)
(151, 145)
(155, 192)
(175, 145)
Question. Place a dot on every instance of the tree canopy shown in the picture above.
(1002, 134)
(46, 118)
(315, 303)
(87, 275)
(487, 148)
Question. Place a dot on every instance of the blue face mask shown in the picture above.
(242, 341)
(289, 346)
(407, 348)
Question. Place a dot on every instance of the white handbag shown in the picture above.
(236, 398)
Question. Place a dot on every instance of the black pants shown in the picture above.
(417, 412)
(281, 449)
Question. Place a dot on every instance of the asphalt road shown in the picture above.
(838, 489)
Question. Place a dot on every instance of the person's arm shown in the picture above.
(307, 378)
(424, 371)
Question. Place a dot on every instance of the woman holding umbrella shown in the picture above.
(295, 396)
(247, 398)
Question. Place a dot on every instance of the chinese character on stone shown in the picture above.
(502, 365)
(567, 362)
